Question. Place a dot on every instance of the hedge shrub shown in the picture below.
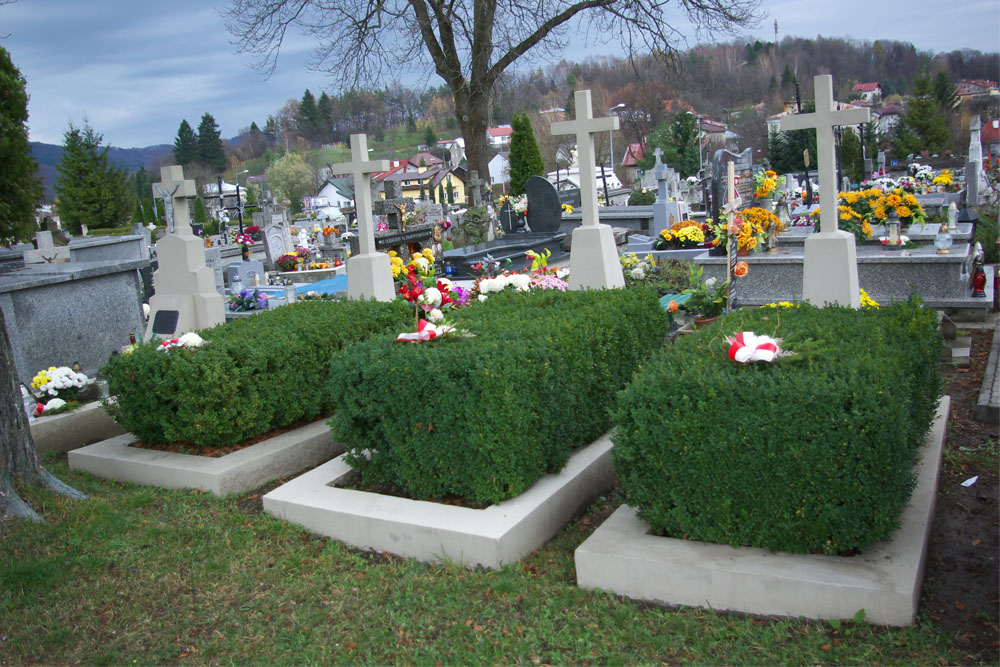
(254, 374)
(811, 454)
(484, 417)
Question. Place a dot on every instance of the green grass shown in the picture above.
(142, 575)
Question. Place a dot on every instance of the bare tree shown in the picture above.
(18, 458)
(468, 43)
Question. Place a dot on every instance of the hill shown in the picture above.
(48, 156)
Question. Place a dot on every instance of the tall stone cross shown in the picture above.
(830, 266)
(175, 191)
(593, 254)
(369, 274)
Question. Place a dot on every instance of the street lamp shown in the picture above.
(239, 202)
(620, 105)
(701, 162)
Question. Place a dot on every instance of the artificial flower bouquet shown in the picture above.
(766, 183)
(63, 383)
(287, 262)
(682, 235)
(248, 299)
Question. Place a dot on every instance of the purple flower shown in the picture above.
(460, 295)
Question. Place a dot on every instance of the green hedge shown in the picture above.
(254, 374)
(484, 417)
(811, 454)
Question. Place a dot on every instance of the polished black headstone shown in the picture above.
(544, 206)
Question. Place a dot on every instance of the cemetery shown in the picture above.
(376, 415)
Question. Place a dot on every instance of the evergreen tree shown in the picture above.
(90, 190)
(679, 141)
(450, 189)
(525, 157)
(924, 125)
(945, 92)
(138, 214)
(20, 190)
(411, 124)
(308, 116)
(199, 212)
(440, 193)
(256, 141)
(185, 145)
(324, 113)
(160, 212)
(210, 151)
(785, 149)
(430, 139)
(851, 162)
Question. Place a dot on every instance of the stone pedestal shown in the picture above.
(830, 270)
(370, 277)
(594, 259)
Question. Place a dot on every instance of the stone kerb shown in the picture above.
(285, 454)
(622, 557)
(433, 532)
(60, 433)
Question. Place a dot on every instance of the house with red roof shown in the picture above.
(989, 137)
(499, 137)
(630, 161)
(869, 92)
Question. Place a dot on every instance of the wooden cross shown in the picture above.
(360, 168)
(174, 188)
(585, 127)
(824, 120)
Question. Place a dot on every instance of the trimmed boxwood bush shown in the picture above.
(810, 454)
(253, 375)
(483, 417)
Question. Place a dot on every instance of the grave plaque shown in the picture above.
(165, 322)
(510, 220)
(544, 207)
(213, 260)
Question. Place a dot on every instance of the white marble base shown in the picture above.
(594, 262)
(370, 277)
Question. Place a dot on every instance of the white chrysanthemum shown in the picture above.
(520, 281)
(483, 297)
(53, 404)
(710, 283)
(638, 273)
(190, 339)
(431, 297)
(435, 315)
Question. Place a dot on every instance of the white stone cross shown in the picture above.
(360, 167)
(585, 127)
(175, 191)
(824, 120)
(47, 252)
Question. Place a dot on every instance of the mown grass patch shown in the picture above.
(150, 575)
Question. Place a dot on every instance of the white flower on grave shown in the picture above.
(482, 297)
(520, 281)
(151, 226)
(492, 284)
(190, 339)
(562, 273)
(447, 284)
(421, 262)
(710, 283)
(435, 315)
(431, 297)
(53, 404)
(638, 273)
(145, 311)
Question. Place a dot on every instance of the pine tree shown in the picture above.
(945, 92)
(210, 151)
(430, 139)
(199, 212)
(851, 162)
(924, 125)
(90, 190)
(324, 113)
(185, 145)
(308, 116)
(450, 189)
(678, 140)
(20, 190)
(525, 157)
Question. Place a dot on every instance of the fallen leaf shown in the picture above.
(824, 647)
(477, 628)
(837, 642)
(975, 543)
(959, 606)
(350, 646)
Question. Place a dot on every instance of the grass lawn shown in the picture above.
(142, 575)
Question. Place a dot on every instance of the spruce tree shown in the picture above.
(185, 145)
(20, 190)
(924, 125)
(90, 190)
(199, 212)
(308, 116)
(430, 139)
(324, 113)
(525, 157)
(210, 151)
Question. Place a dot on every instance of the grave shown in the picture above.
(99, 248)
(830, 270)
(250, 273)
(594, 255)
(369, 274)
(544, 207)
(46, 251)
(743, 169)
(185, 298)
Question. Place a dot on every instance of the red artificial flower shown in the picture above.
(413, 290)
(445, 293)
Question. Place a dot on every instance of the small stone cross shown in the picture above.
(174, 190)
(824, 120)
(585, 127)
(474, 183)
(360, 168)
(658, 153)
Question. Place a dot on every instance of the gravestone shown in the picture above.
(743, 167)
(47, 253)
(393, 206)
(544, 207)
(213, 260)
(277, 240)
(432, 211)
(369, 273)
(247, 271)
(185, 298)
(594, 254)
(881, 163)
(830, 265)
(510, 220)
(59, 237)
(975, 179)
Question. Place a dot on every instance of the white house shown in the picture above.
(569, 178)
(869, 92)
(499, 170)
(888, 118)
(333, 195)
(455, 148)
(499, 137)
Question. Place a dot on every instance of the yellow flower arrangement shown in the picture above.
(857, 210)
(765, 183)
(751, 225)
(867, 301)
(944, 179)
(683, 234)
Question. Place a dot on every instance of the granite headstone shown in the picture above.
(544, 207)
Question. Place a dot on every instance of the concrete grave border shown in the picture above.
(285, 454)
(433, 532)
(622, 557)
(60, 433)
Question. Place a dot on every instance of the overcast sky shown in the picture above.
(135, 69)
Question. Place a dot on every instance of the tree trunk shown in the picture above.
(471, 110)
(18, 458)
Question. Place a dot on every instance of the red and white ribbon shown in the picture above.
(747, 346)
(425, 331)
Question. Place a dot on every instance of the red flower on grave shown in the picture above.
(413, 290)
(445, 293)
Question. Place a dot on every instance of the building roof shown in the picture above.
(990, 133)
(890, 110)
(428, 159)
(866, 87)
(395, 166)
(501, 131)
